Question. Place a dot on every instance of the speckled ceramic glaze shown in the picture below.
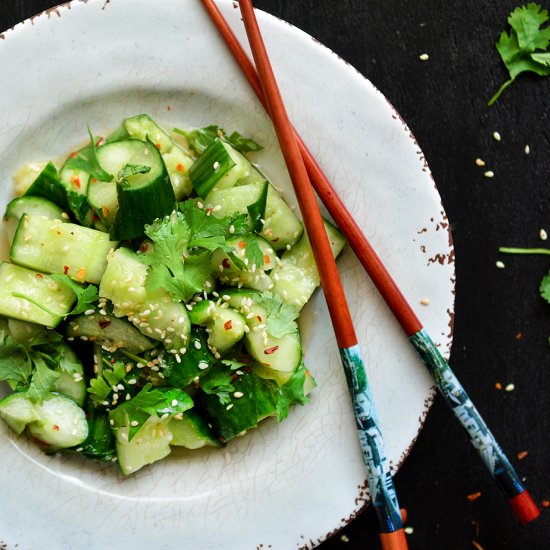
(283, 486)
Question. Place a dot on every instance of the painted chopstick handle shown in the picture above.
(383, 495)
(481, 437)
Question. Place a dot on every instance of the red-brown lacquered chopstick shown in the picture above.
(448, 384)
(380, 480)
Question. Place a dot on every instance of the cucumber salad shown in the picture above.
(152, 296)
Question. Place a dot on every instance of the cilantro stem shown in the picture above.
(135, 358)
(499, 92)
(505, 250)
(34, 303)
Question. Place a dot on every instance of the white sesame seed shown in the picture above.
(409, 530)
(229, 407)
(197, 344)
(134, 423)
(496, 136)
(200, 205)
(510, 387)
(203, 365)
(527, 149)
(480, 162)
(500, 264)
(425, 301)
(174, 402)
(489, 174)
(543, 235)
(424, 57)
(238, 394)
(89, 312)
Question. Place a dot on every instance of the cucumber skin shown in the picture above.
(48, 186)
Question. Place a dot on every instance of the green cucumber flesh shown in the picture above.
(31, 296)
(191, 431)
(48, 186)
(52, 246)
(110, 331)
(34, 206)
(144, 128)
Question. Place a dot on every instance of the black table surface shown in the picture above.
(502, 325)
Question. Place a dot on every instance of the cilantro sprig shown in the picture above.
(200, 138)
(86, 297)
(525, 48)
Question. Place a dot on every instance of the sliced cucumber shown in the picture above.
(24, 332)
(48, 186)
(281, 227)
(153, 312)
(296, 276)
(220, 166)
(127, 204)
(25, 176)
(250, 276)
(150, 444)
(56, 423)
(34, 297)
(56, 247)
(144, 128)
(34, 206)
(191, 431)
(71, 382)
(225, 326)
(178, 163)
(281, 354)
(110, 331)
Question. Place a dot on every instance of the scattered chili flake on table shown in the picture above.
(477, 545)
(474, 496)
(522, 454)
(519, 336)
(498, 386)
(545, 503)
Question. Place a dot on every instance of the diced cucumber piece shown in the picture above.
(226, 325)
(153, 312)
(150, 444)
(281, 227)
(34, 297)
(178, 163)
(195, 362)
(110, 331)
(250, 276)
(282, 354)
(56, 423)
(48, 186)
(220, 166)
(34, 206)
(144, 128)
(100, 443)
(252, 400)
(24, 332)
(191, 431)
(56, 247)
(296, 276)
(71, 382)
(127, 204)
(25, 176)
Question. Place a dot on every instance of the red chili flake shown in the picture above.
(259, 317)
(473, 496)
(39, 276)
(234, 377)
(76, 181)
(225, 263)
(404, 513)
(522, 454)
(228, 325)
(58, 232)
(73, 154)
(113, 361)
(242, 244)
(65, 269)
(519, 336)
(105, 211)
(94, 180)
(144, 247)
(104, 323)
(498, 386)
(180, 167)
(267, 259)
(157, 145)
(545, 503)
(56, 427)
(477, 545)
(169, 107)
(95, 217)
(208, 211)
(269, 351)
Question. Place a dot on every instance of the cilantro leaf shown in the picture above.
(101, 386)
(86, 297)
(15, 365)
(544, 287)
(200, 138)
(42, 379)
(131, 170)
(524, 48)
(281, 317)
(218, 382)
(292, 392)
(86, 160)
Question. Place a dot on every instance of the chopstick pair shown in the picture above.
(448, 384)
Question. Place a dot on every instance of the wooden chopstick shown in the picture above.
(448, 384)
(376, 462)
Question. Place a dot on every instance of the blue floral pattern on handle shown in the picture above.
(380, 480)
(457, 398)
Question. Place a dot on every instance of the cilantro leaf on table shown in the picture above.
(86, 296)
(544, 287)
(200, 138)
(524, 48)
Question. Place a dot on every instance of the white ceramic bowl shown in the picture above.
(288, 485)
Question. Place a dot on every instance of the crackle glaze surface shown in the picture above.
(285, 485)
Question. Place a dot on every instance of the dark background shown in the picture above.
(502, 325)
